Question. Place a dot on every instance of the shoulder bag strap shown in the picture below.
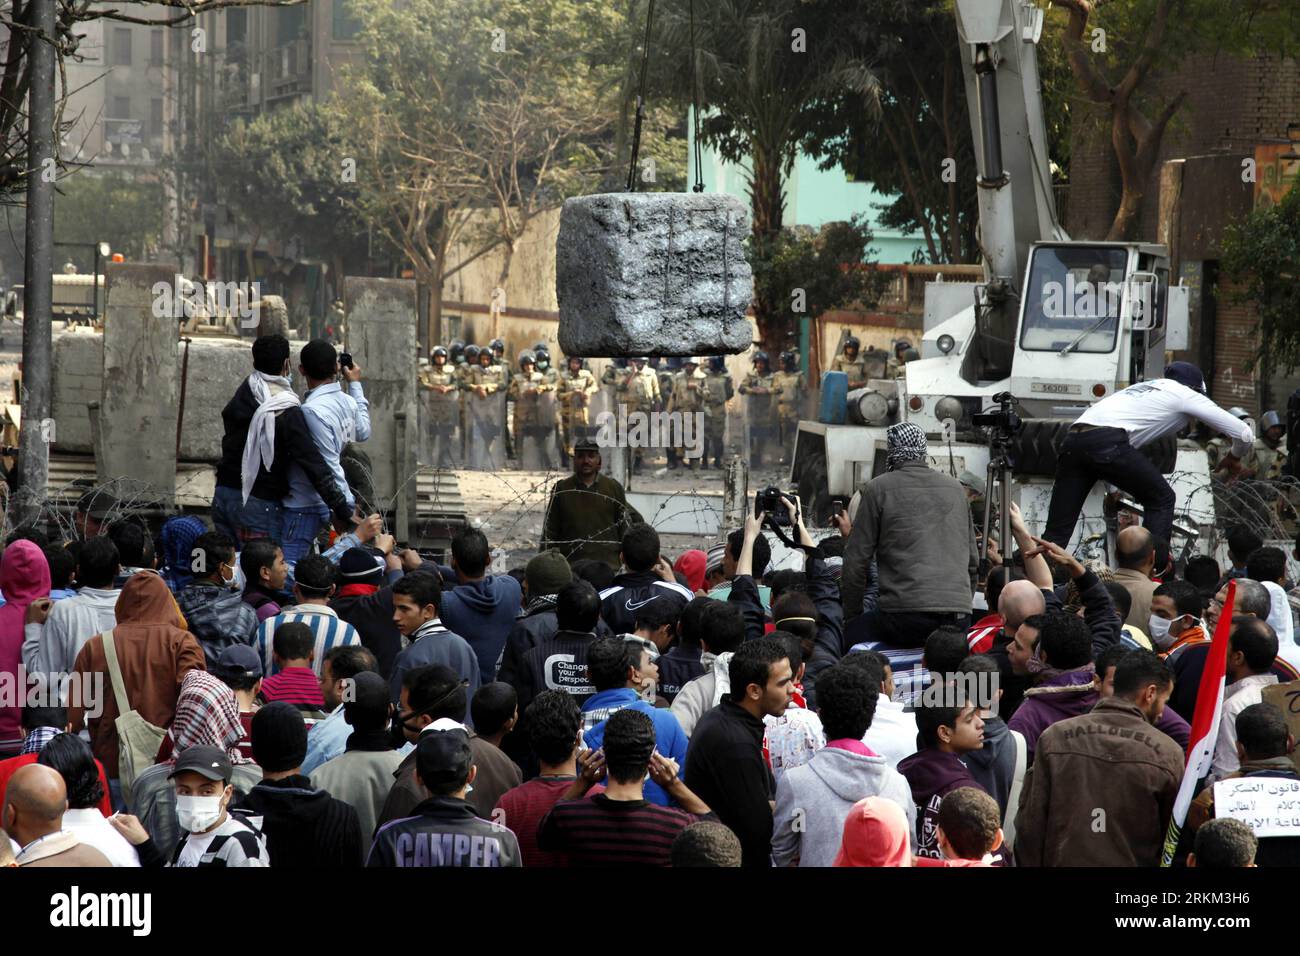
(115, 674)
(1017, 781)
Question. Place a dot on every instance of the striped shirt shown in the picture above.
(598, 831)
(296, 685)
(329, 630)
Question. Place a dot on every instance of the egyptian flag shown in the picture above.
(1205, 725)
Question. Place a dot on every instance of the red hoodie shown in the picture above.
(24, 577)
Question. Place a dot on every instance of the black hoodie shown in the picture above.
(444, 832)
(293, 443)
(305, 827)
(633, 590)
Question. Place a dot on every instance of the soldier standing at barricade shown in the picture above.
(639, 390)
(465, 379)
(498, 347)
(440, 380)
(487, 403)
(790, 389)
(576, 387)
(851, 363)
(1267, 460)
(552, 376)
(760, 411)
(894, 366)
(664, 372)
(1218, 449)
(523, 392)
(687, 398)
(718, 390)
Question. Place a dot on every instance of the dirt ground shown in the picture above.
(509, 506)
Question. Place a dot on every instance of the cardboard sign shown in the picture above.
(1286, 698)
(1268, 805)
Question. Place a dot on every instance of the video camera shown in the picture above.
(1003, 423)
(770, 500)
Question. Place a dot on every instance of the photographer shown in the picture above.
(916, 523)
(1104, 444)
(825, 633)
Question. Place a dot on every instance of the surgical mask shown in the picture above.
(229, 581)
(1158, 629)
(196, 814)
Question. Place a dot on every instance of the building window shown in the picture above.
(346, 23)
(121, 107)
(291, 25)
(155, 48)
(156, 117)
(236, 26)
(121, 46)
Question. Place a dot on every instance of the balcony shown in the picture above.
(289, 69)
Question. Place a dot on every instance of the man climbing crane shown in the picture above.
(1104, 444)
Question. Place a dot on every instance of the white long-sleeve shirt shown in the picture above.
(1149, 411)
(52, 648)
(1237, 696)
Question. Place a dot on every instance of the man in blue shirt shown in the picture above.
(335, 419)
(614, 668)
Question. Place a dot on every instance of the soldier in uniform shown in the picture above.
(440, 380)
(851, 363)
(894, 367)
(498, 348)
(614, 372)
(1219, 448)
(666, 372)
(551, 423)
(790, 390)
(760, 412)
(488, 383)
(465, 378)
(687, 398)
(639, 389)
(576, 387)
(1267, 459)
(531, 429)
(718, 390)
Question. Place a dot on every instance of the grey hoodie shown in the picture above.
(813, 801)
(994, 765)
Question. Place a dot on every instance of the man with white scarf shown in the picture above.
(265, 431)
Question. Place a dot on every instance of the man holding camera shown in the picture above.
(1105, 444)
(335, 418)
(916, 524)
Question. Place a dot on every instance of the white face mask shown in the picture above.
(1158, 628)
(196, 814)
(229, 581)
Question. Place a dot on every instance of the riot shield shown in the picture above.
(487, 431)
(441, 433)
(759, 413)
(537, 438)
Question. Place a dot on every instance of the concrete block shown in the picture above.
(139, 402)
(381, 336)
(653, 274)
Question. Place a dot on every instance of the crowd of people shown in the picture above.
(252, 694)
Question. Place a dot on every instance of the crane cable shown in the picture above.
(641, 98)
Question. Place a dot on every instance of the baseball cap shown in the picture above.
(239, 660)
(443, 756)
(210, 762)
(586, 444)
(1185, 373)
(358, 566)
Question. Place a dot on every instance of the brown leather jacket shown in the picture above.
(1100, 792)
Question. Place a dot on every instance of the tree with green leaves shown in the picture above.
(124, 211)
(1262, 253)
(806, 272)
(472, 117)
(285, 175)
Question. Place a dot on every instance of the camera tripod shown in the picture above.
(999, 477)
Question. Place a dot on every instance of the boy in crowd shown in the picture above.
(214, 836)
(813, 801)
(620, 827)
(265, 573)
(969, 830)
(295, 681)
(1224, 844)
(444, 830)
(495, 711)
(554, 729)
(946, 733)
